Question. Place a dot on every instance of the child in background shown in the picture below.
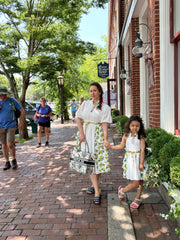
(73, 109)
(133, 164)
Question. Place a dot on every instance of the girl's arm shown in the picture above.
(105, 131)
(80, 128)
(142, 154)
(121, 145)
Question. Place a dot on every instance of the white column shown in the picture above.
(166, 70)
(144, 79)
(127, 97)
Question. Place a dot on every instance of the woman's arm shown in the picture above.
(80, 128)
(142, 154)
(37, 113)
(105, 131)
(48, 115)
(121, 145)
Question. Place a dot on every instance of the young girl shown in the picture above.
(133, 163)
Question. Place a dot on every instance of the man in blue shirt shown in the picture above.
(8, 126)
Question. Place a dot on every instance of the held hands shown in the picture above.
(107, 144)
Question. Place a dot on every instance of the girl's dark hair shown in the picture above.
(101, 93)
(141, 133)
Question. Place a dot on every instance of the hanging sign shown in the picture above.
(103, 70)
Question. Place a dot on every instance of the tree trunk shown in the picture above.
(23, 134)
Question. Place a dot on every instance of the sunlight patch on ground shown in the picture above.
(75, 211)
(63, 201)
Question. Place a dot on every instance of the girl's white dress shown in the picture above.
(132, 159)
(92, 119)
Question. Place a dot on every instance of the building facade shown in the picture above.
(151, 88)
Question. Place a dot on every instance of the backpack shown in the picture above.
(16, 111)
(36, 117)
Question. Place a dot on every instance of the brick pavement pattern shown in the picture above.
(44, 200)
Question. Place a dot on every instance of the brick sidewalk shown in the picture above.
(43, 200)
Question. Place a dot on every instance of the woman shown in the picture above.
(44, 112)
(93, 117)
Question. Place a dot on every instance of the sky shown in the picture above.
(94, 25)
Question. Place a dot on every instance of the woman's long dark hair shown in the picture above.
(141, 133)
(101, 93)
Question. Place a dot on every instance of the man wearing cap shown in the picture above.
(8, 126)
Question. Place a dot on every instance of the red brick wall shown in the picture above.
(134, 66)
(153, 23)
(126, 3)
(113, 32)
(154, 92)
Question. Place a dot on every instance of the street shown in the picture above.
(44, 200)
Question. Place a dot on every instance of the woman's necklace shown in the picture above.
(94, 105)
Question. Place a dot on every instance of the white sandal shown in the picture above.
(136, 205)
(120, 193)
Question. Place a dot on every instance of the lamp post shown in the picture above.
(60, 84)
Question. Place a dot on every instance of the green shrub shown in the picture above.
(167, 153)
(153, 133)
(164, 166)
(115, 114)
(158, 143)
(121, 120)
(175, 170)
(155, 174)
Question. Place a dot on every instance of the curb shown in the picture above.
(119, 219)
(119, 216)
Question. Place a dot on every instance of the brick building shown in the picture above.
(150, 88)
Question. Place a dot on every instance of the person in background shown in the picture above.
(82, 100)
(73, 109)
(93, 117)
(44, 113)
(134, 165)
(8, 126)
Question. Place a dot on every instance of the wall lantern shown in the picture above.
(140, 47)
(123, 74)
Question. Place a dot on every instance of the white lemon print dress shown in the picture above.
(132, 159)
(92, 119)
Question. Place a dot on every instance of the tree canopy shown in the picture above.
(38, 39)
(38, 36)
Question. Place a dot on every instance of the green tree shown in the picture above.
(3, 81)
(37, 38)
(89, 71)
